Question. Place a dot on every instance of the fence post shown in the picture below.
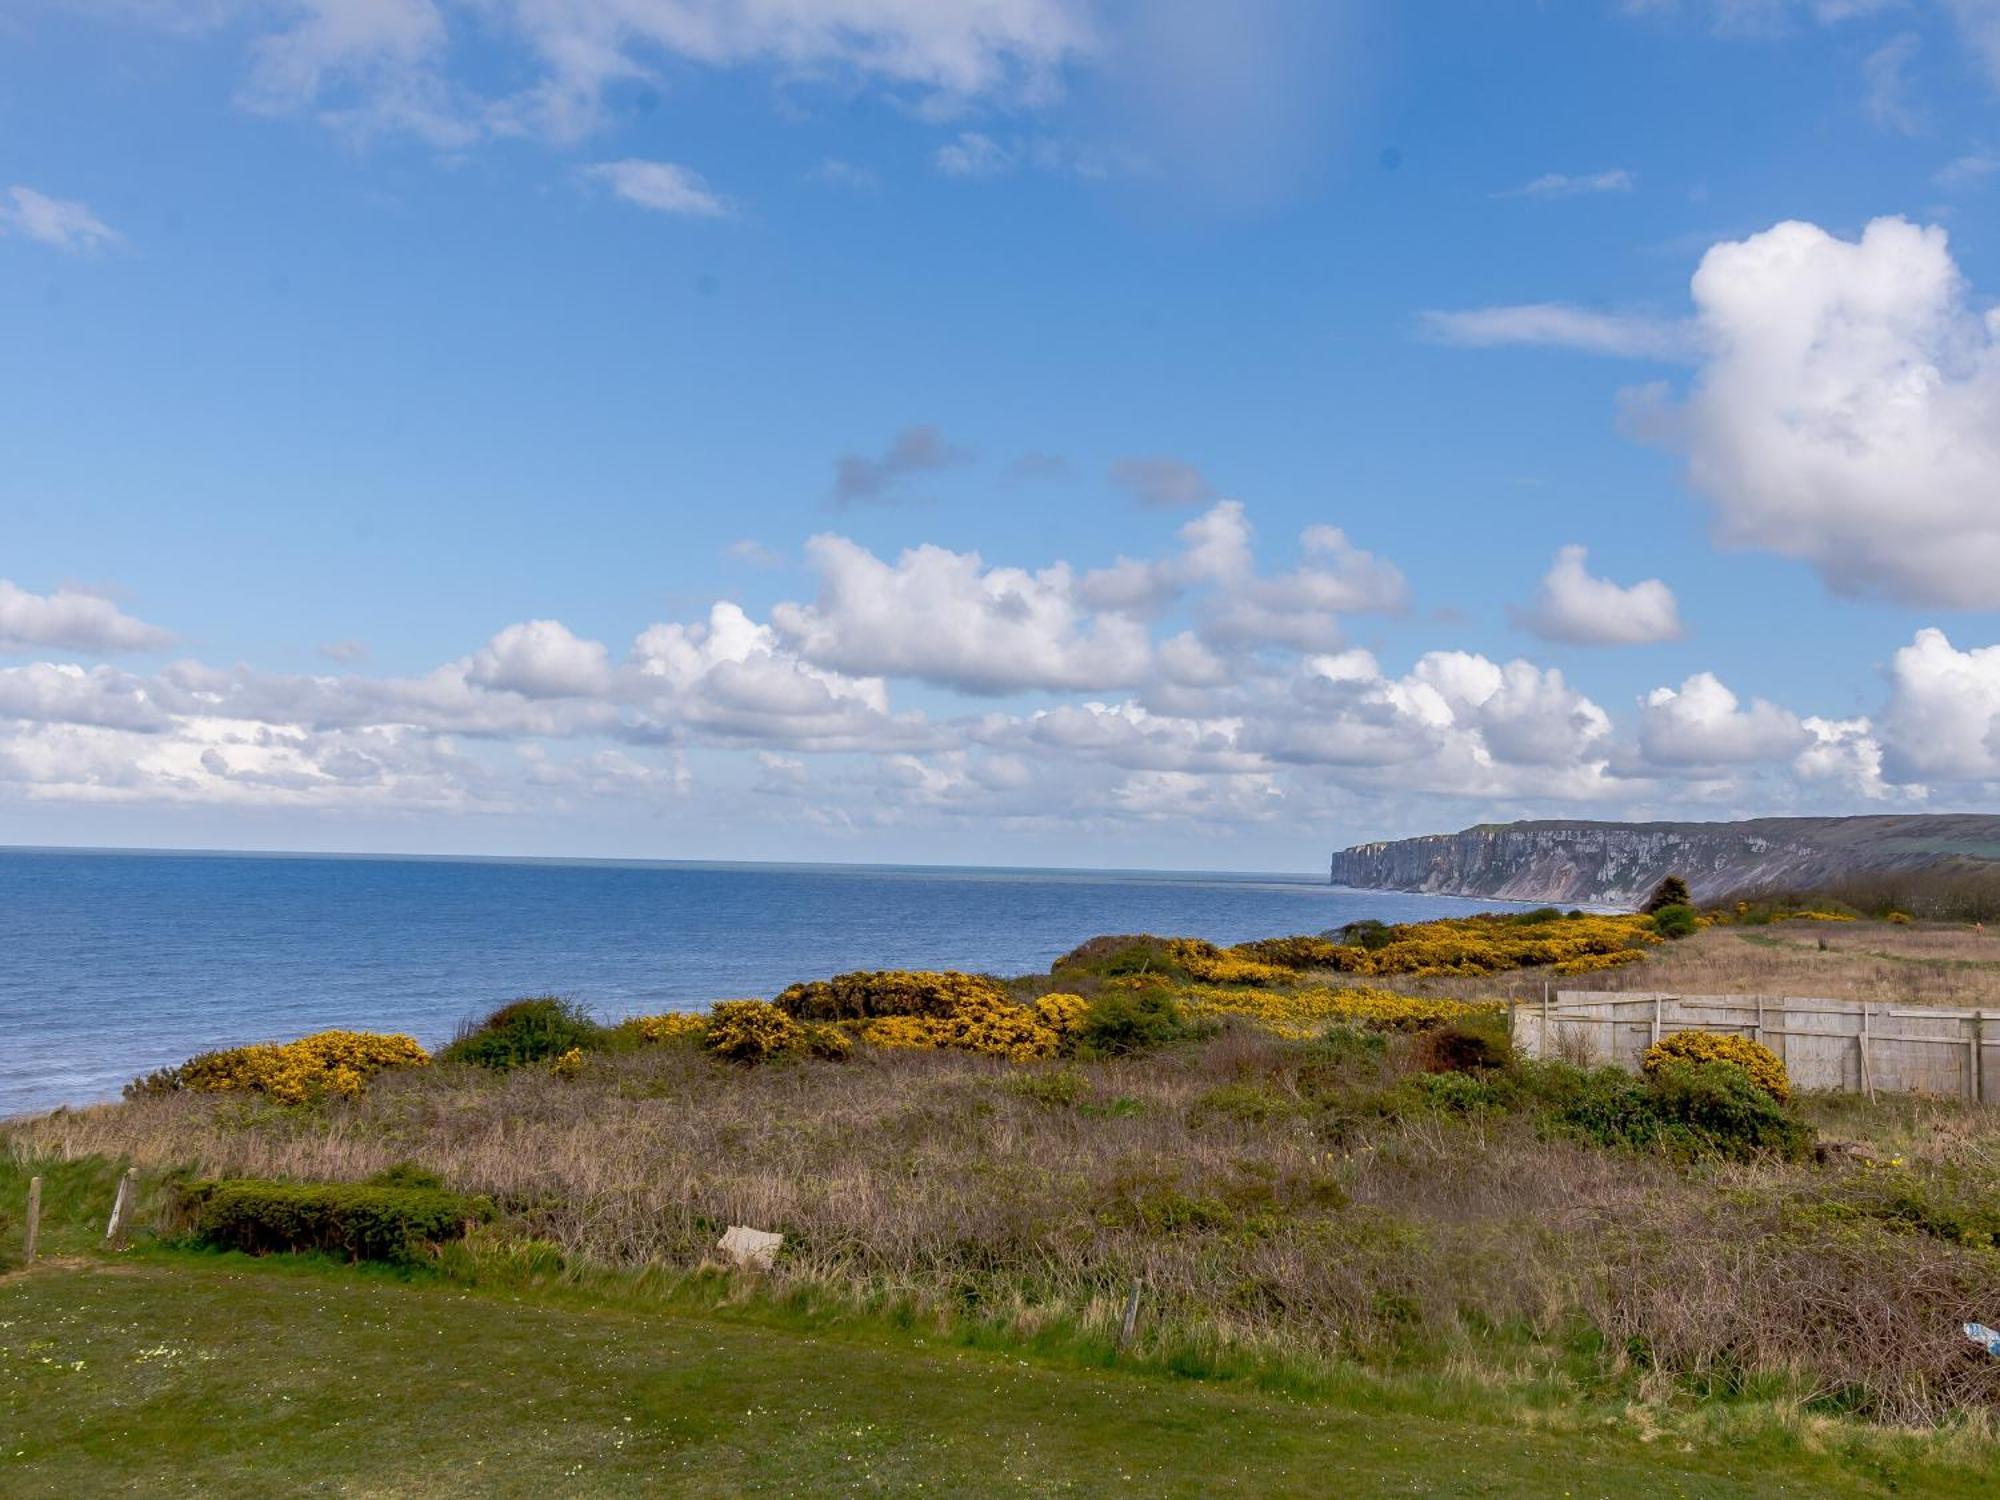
(1867, 1073)
(1757, 1031)
(1656, 1020)
(1131, 1320)
(1545, 1020)
(1979, 1056)
(34, 1221)
(114, 1232)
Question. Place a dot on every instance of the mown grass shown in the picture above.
(178, 1372)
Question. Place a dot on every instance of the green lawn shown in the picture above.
(166, 1373)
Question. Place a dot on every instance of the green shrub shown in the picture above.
(1671, 891)
(526, 1031)
(1717, 1107)
(1367, 933)
(1122, 1023)
(1605, 1106)
(1763, 1065)
(1061, 1088)
(1949, 1204)
(362, 1221)
(1675, 921)
(1450, 1094)
(1687, 1108)
(1249, 1103)
(1461, 1047)
(406, 1174)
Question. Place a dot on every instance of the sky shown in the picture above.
(1072, 432)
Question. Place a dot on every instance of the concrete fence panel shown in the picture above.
(1852, 1045)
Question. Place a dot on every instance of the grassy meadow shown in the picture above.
(1366, 1240)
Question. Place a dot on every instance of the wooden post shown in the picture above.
(1867, 1074)
(1545, 1020)
(114, 1232)
(1131, 1316)
(34, 1221)
(1757, 1030)
(1656, 1019)
(1979, 1056)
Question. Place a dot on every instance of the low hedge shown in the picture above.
(360, 1220)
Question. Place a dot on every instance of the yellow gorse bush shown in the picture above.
(1490, 944)
(751, 1031)
(325, 1063)
(868, 993)
(674, 1026)
(1208, 964)
(1760, 1062)
(1302, 1013)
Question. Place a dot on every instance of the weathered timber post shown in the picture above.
(1867, 1070)
(34, 1221)
(1131, 1320)
(121, 1206)
(1979, 1056)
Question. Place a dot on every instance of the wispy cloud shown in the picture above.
(916, 450)
(1967, 171)
(1561, 325)
(1564, 185)
(1156, 480)
(662, 186)
(62, 223)
(1886, 85)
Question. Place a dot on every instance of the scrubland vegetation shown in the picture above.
(1314, 1175)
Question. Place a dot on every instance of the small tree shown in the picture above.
(1672, 891)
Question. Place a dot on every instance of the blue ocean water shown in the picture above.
(112, 964)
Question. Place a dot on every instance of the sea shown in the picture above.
(114, 963)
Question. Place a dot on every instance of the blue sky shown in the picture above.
(376, 374)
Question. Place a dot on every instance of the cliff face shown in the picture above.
(1619, 863)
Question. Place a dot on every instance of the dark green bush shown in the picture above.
(526, 1031)
(1461, 1047)
(362, 1221)
(1674, 921)
(1367, 933)
(1123, 1023)
(1248, 1103)
(1718, 1108)
(1671, 891)
(1688, 1109)
(1450, 1094)
(1949, 1203)
(1063, 1088)
(406, 1174)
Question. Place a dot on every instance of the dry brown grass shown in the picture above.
(1245, 1179)
(1877, 961)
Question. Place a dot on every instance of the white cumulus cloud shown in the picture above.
(1848, 410)
(1578, 609)
(71, 620)
(1702, 723)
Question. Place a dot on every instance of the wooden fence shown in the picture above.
(1855, 1045)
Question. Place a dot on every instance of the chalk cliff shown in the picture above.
(1619, 863)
